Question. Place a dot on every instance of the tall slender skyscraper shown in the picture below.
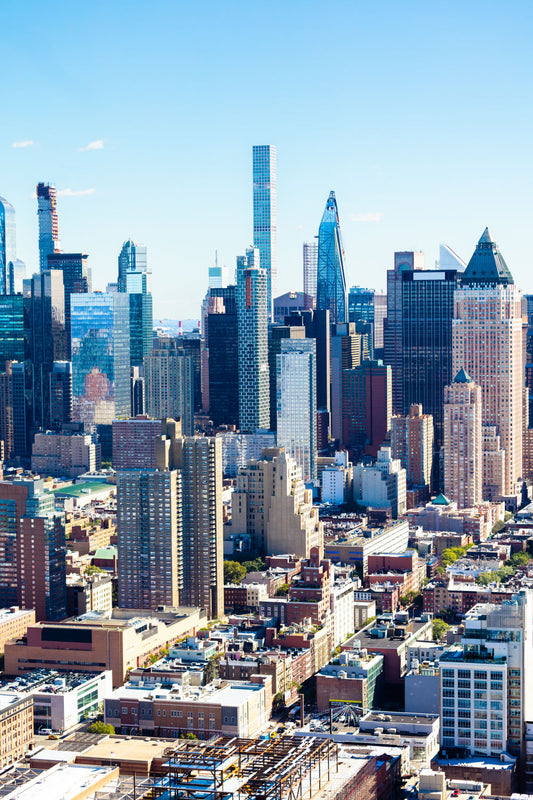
(463, 452)
(132, 258)
(7, 243)
(48, 225)
(265, 217)
(254, 401)
(488, 343)
(310, 253)
(331, 282)
(76, 280)
(296, 403)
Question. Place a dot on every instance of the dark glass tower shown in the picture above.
(426, 343)
(76, 280)
(331, 282)
(222, 344)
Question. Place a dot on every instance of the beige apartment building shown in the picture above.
(488, 343)
(463, 455)
(272, 505)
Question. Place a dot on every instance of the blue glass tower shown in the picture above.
(100, 330)
(331, 282)
(7, 243)
(265, 226)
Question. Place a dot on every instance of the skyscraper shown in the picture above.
(276, 335)
(218, 275)
(221, 340)
(488, 343)
(331, 282)
(254, 405)
(347, 352)
(48, 224)
(265, 214)
(366, 407)
(392, 325)
(48, 338)
(427, 301)
(463, 444)
(203, 551)
(310, 254)
(13, 331)
(296, 403)
(32, 541)
(412, 444)
(132, 258)
(60, 393)
(8, 252)
(169, 385)
(100, 327)
(76, 280)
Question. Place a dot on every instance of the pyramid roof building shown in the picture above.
(487, 266)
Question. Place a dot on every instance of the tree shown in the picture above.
(233, 572)
(484, 578)
(451, 554)
(498, 526)
(257, 565)
(283, 590)
(439, 629)
(92, 570)
(101, 727)
(518, 559)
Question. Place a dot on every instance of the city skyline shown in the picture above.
(407, 174)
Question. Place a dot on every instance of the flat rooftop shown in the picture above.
(42, 680)
(6, 614)
(130, 749)
(85, 488)
(235, 692)
(387, 642)
(399, 718)
(61, 782)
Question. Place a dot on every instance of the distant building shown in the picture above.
(382, 484)
(331, 281)
(310, 263)
(169, 385)
(412, 444)
(296, 403)
(134, 442)
(290, 303)
(48, 223)
(463, 456)
(265, 216)
(63, 455)
(366, 407)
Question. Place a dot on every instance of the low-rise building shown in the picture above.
(234, 709)
(60, 700)
(89, 593)
(95, 643)
(353, 678)
(354, 546)
(63, 455)
(363, 609)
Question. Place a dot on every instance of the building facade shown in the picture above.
(48, 223)
(265, 215)
(8, 252)
(310, 265)
(296, 403)
(331, 281)
(463, 442)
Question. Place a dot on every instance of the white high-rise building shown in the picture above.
(252, 317)
(310, 254)
(488, 344)
(296, 403)
(382, 484)
(486, 693)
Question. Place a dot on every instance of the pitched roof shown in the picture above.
(440, 500)
(487, 266)
(462, 377)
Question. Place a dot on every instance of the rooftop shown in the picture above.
(44, 680)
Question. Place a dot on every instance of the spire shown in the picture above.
(462, 377)
(487, 266)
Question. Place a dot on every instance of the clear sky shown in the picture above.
(418, 114)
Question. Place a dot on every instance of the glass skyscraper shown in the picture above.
(296, 403)
(12, 329)
(132, 257)
(7, 243)
(100, 343)
(48, 225)
(265, 224)
(331, 282)
(310, 254)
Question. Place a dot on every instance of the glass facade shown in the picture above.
(100, 342)
(310, 253)
(426, 368)
(132, 257)
(331, 282)
(76, 280)
(296, 403)
(48, 223)
(12, 344)
(7, 243)
(265, 225)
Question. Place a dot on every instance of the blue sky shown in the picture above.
(417, 114)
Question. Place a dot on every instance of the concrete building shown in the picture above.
(336, 480)
(14, 623)
(310, 261)
(382, 484)
(342, 600)
(134, 442)
(60, 700)
(32, 540)
(487, 343)
(16, 728)
(351, 678)
(494, 659)
(233, 709)
(169, 384)
(253, 311)
(463, 454)
(272, 505)
(63, 455)
(89, 593)
(355, 547)
(412, 444)
(96, 643)
(366, 407)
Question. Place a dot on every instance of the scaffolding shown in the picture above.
(285, 768)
